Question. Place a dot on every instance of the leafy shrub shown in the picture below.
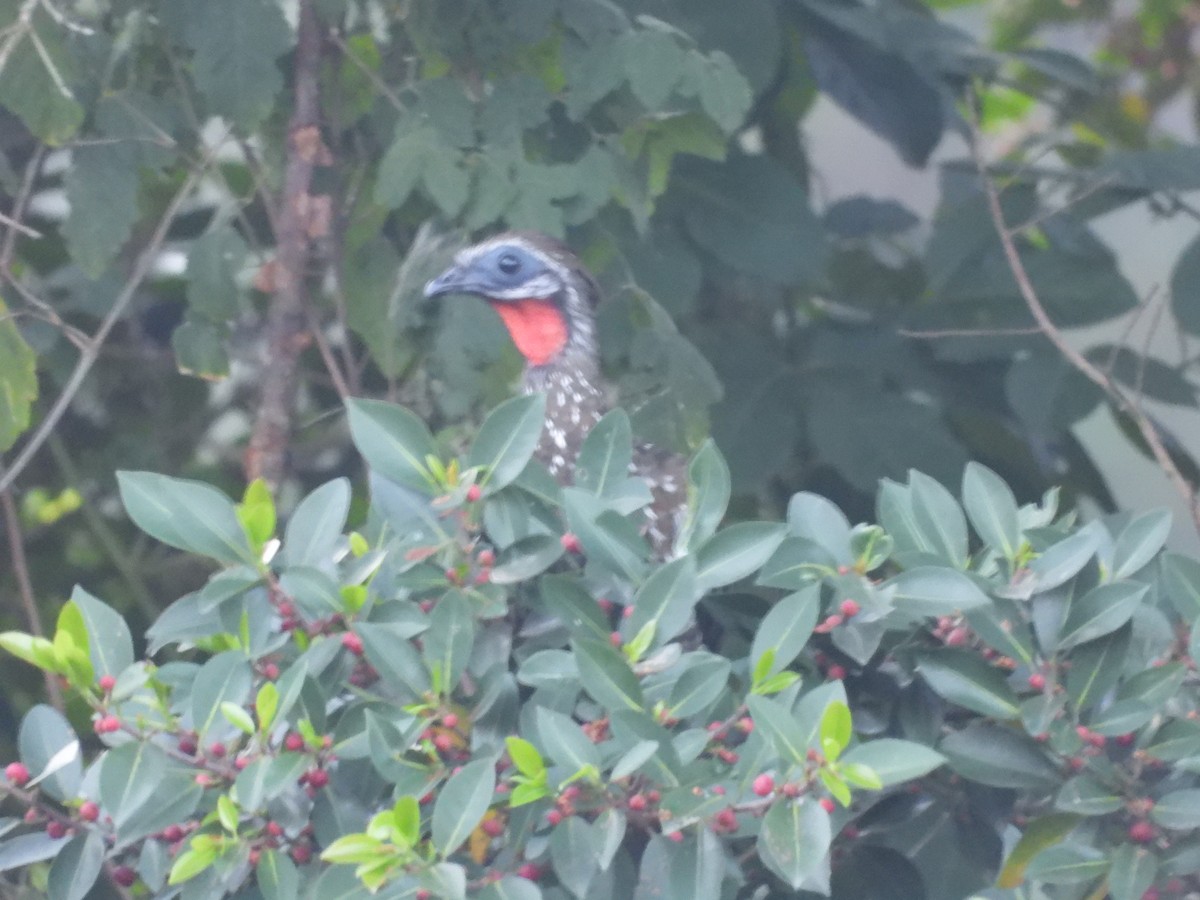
(462, 699)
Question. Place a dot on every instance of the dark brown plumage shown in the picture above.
(546, 298)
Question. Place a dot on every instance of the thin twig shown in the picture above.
(331, 364)
(1053, 211)
(968, 332)
(20, 567)
(1128, 330)
(91, 352)
(372, 76)
(20, 204)
(1077, 360)
(19, 226)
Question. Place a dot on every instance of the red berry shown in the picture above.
(474, 492)
(1126, 739)
(493, 827)
(791, 789)
(958, 636)
(318, 778)
(836, 672)
(89, 811)
(270, 671)
(764, 784)
(107, 683)
(453, 577)
(216, 750)
(293, 741)
(107, 725)
(450, 720)
(726, 820)
(17, 774)
(56, 829)
(615, 639)
(727, 756)
(301, 853)
(676, 836)
(353, 643)
(443, 742)
(255, 856)
(850, 608)
(570, 792)
(486, 558)
(719, 790)
(1037, 681)
(274, 829)
(554, 817)
(187, 745)
(423, 894)
(606, 605)
(1151, 893)
(172, 833)
(241, 762)
(124, 876)
(826, 804)
(833, 621)
(530, 871)
(745, 724)
(637, 802)
(1141, 832)
(570, 543)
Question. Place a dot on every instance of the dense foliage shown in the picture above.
(461, 699)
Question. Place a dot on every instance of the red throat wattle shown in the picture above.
(538, 327)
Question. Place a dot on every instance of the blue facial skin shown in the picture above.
(501, 269)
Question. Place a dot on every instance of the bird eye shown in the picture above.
(508, 263)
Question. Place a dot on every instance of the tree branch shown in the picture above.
(287, 326)
(1115, 393)
(91, 352)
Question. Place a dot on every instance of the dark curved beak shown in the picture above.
(457, 280)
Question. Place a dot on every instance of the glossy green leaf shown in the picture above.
(933, 591)
(816, 519)
(794, 843)
(565, 741)
(735, 552)
(786, 628)
(461, 804)
(188, 515)
(45, 738)
(507, 439)
(76, 867)
(574, 854)
(18, 380)
(893, 760)
(964, 678)
(393, 441)
(1132, 872)
(316, 525)
(780, 727)
(450, 638)
(109, 642)
(1139, 541)
(992, 509)
(1100, 611)
(130, 775)
(666, 600)
(606, 675)
(277, 876)
(708, 496)
(226, 677)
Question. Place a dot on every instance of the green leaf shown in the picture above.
(266, 704)
(25, 849)
(754, 216)
(1062, 561)
(816, 519)
(1132, 872)
(525, 756)
(507, 439)
(666, 601)
(780, 727)
(1178, 810)
(461, 804)
(1042, 832)
(450, 638)
(191, 863)
(574, 854)
(708, 496)
(227, 813)
(608, 539)
(44, 735)
(1139, 541)
(835, 730)
(1185, 288)
(565, 741)
(214, 261)
(999, 757)
(794, 843)
(1087, 795)
(1181, 575)
(130, 775)
(188, 515)
(1096, 666)
(964, 678)
(526, 557)
(200, 349)
(1100, 611)
(236, 44)
(939, 519)
(28, 88)
(786, 628)
(237, 717)
(110, 644)
(934, 591)
(699, 686)
(734, 552)
(76, 867)
(893, 760)
(992, 509)
(393, 441)
(510, 887)
(398, 662)
(1068, 864)
(277, 876)
(226, 677)
(402, 165)
(724, 92)
(604, 458)
(18, 380)
(606, 675)
(316, 525)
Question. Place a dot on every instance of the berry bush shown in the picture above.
(488, 689)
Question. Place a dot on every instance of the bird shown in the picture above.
(546, 298)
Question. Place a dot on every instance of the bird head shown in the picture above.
(539, 287)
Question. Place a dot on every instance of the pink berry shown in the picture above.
(270, 671)
(570, 543)
(302, 853)
(107, 683)
(450, 720)
(353, 643)
(89, 811)
(615, 639)
(637, 802)
(554, 816)
(1141, 832)
(216, 750)
(676, 836)
(17, 774)
(293, 741)
(833, 621)
(318, 778)
(124, 876)
(726, 820)
(530, 871)
(56, 829)
(474, 492)
(1037, 681)
(836, 672)
(486, 558)
(172, 833)
(493, 827)
(764, 784)
(826, 804)
(850, 608)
